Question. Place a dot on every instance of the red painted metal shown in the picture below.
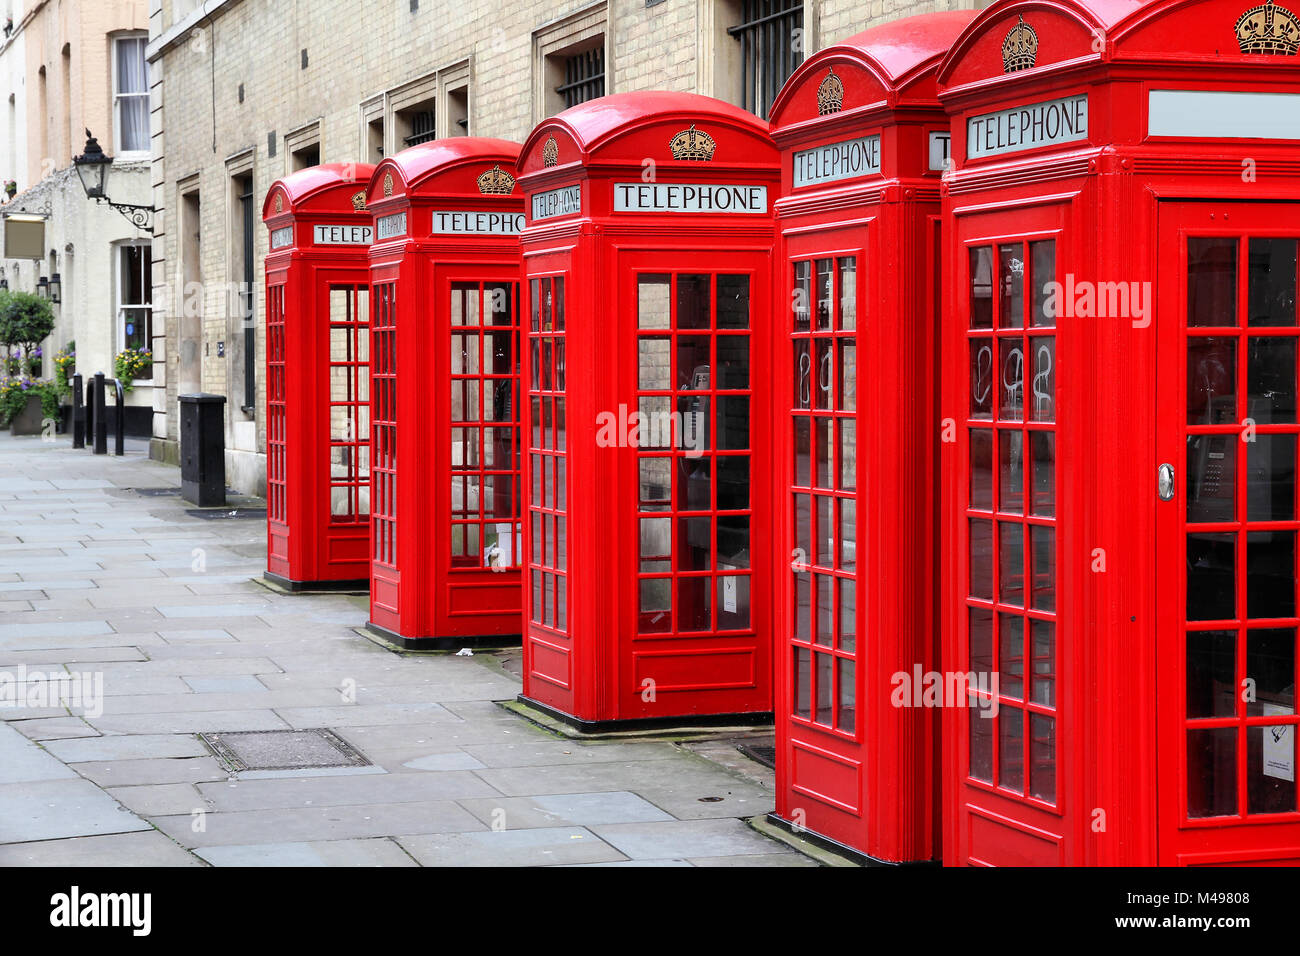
(1124, 733)
(650, 565)
(856, 447)
(318, 525)
(445, 393)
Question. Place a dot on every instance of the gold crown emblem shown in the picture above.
(496, 182)
(550, 152)
(279, 202)
(693, 145)
(388, 184)
(830, 94)
(1020, 48)
(359, 201)
(1268, 28)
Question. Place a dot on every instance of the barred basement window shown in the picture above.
(421, 128)
(584, 76)
(770, 34)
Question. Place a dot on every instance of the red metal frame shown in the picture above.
(317, 284)
(1119, 203)
(446, 393)
(655, 632)
(853, 765)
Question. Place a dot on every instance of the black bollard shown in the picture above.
(119, 407)
(89, 441)
(78, 413)
(101, 422)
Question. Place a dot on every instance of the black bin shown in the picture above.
(203, 449)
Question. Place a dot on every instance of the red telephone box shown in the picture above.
(1120, 333)
(445, 394)
(317, 376)
(648, 263)
(863, 143)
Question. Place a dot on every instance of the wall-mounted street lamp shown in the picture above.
(43, 287)
(56, 288)
(93, 166)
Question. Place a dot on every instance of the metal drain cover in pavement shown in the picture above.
(283, 749)
(763, 753)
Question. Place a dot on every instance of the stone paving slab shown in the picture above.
(148, 848)
(127, 747)
(541, 847)
(373, 852)
(353, 790)
(54, 809)
(581, 809)
(694, 838)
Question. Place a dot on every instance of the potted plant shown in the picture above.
(130, 364)
(26, 403)
(11, 188)
(32, 359)
(65, 366)
(26, 320)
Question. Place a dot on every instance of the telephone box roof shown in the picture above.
(299, 189)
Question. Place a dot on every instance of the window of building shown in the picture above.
(458, 111)
(243, 332)
(135, 297)
(131, 93)
(571, 61)
(417, 123)
(772, 43)
(303, 147)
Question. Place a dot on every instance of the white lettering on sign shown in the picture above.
(282, 237)
(566, 201)
(689, 197)
(389, 226)
(469, 221)
(1223, 114)
(344, 235)
(940, 145)
(1024, 127)
(835, 161)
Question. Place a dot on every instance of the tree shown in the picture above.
(26, 320)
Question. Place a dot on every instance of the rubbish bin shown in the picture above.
(203, 449)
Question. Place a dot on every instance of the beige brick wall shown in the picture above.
(356, 53)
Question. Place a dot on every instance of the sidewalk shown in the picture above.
(97, 578)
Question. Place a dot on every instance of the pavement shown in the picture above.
(158, 616)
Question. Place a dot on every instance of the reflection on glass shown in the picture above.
(1011, 284)
(1270, 478)
(844, 718)
(656, 544)
(981, 469)
(694, 484)
(654, 358)
(1042, 545)
(733, 482)
(694, 294)
(825, 687)
(803, 606)
(733, 422)
(1211, 670)
(1042, 257)
(981, 288)
(1270, 665)
(733, 542)
(654, 484)
(1011, 563)
(1271, 379)
(1212, 772)
(822, 452)
(848, 534)
(801, 297)
(1211, 281)
(1270, 574)
(1211, 574)
(824, 301)
(802, 452)
(802, 682)
(656, 605)
(1011, 747)
(1271, 280)
(824, 632)
(848, 278)
(981, 641)
(1042, 448)
(695, 543)
(1011, 655)
(848, 451)
(981, 558)
(848, 615)
(695, 604)
(1042, 646)
(825, 553)
(1211, 381)
(981, 743)
(1011, 472)
(733, 301)
(1042, 757)
(654, 306)
(848, 375)
(1042, 385)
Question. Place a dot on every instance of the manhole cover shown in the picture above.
(156, 492)
(216, 513)
(763, 753)
(283, 749)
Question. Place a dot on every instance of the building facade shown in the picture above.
(246, 91)
(70, 66)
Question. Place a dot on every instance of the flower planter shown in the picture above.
(28, 421)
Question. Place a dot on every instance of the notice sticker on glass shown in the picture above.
(728, 589)
(1279, 745)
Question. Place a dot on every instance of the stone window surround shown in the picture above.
(562, 36)
(434, 87)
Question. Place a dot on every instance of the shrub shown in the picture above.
(65, 366)
(26, 320)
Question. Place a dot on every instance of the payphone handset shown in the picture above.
(694, 424)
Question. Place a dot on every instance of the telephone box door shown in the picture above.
(1009, 786)
(1227, 529)
(700, 467)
